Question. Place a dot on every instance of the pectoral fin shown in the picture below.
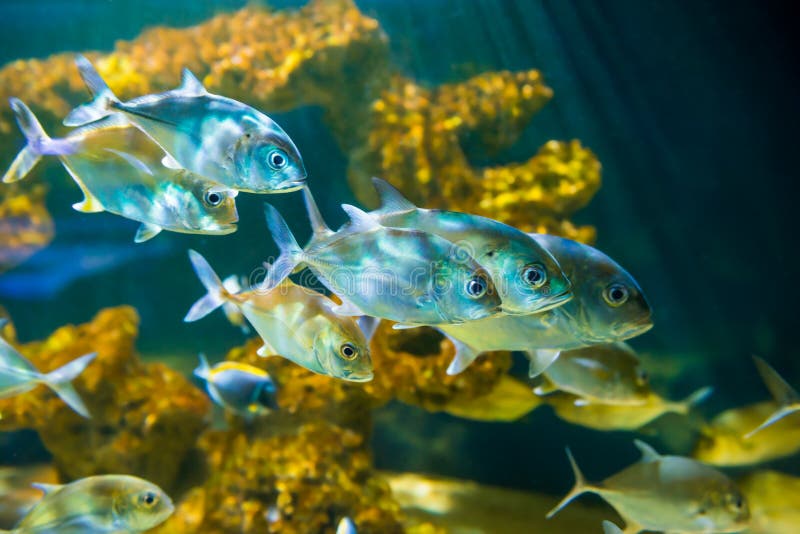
(465, 355)
(146, 231)
(541, 359)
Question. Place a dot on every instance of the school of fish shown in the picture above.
(176, 161)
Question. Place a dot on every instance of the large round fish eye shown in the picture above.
(348, 351)
(148, 499)
(277, 159)
(476, 287)
(213, 198)
(616, 295)
(534, 275)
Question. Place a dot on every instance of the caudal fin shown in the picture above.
(291, 253)
(104, 98)
(60, 381)
(29, 156)
(216, 291)
(684, 406)
(580, 487)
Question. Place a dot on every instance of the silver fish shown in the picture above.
(119, 170)
(402, 275)
(607, 306)
(97, 504)
(241, 388)
(294, 322)
(216, 137)
(346, 526)
(667, 493)
(527, 277)
(18, 375)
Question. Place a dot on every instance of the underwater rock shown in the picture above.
(25, 224)
(297, 480)
(145, 417)
(331, 55)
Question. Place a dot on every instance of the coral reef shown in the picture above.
(25, 224)
(145, 417)
(331, 55)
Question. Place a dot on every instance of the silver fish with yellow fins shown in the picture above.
(97, 504)
(787, 399)
(210, 135)
(667, 493)
(722, 441)
(119, 170)
(294, 322)
(527, 277)
(402, 275)
(599, 374)
(18, 375)
(607, 306)
(243, 389)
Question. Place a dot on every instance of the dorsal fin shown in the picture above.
(781, 391)
(318, 225)
(392, 200)
(190, 85)
(47, 488)
(360, 220)
(649, 454)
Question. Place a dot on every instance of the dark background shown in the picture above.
(691, 106)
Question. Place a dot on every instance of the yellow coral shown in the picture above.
(25, 224)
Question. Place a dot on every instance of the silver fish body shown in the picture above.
(241, 388)
(527, 277)
(607, 306)
(213, 136)
(119, 170)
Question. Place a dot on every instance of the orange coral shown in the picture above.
(25, 224)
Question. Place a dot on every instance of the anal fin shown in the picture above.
(146, 231)
(465, 355)
(541, 359)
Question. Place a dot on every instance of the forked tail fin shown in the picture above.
(580, 487)
(291, 253)
(104, 98)
(35, 136)
(216, 291)
(60, 381)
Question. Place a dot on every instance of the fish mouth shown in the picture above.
(222, 229)
(628, 331)
(290, 185)
(539, 304)
(358, 376)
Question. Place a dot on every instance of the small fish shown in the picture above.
(774, 502)
(18, 375)
(508, 401)
(787, 399)
(620, 417)
(97, 504)
(294, 322)
(403, 275)
(241, 388)
(607, 306)
(119, 171)
(219, 138)
(722, 442)
(667, 493)
(599, 374)
(527, 277)
(346, 526)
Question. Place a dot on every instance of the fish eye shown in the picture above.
(534, 275)
(148, 499)
(348, 351)
(213, 198)
(616, 295)
(277, 159)
(476, 287)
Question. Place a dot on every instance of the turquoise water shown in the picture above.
(687, 109)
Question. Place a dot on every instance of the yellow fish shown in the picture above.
(723, 440)
(600, 374)
(774, 502)
(241, 388)
(787, 399)
(667, 493)
(621, 417)
(293, 321)
(104, 503)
